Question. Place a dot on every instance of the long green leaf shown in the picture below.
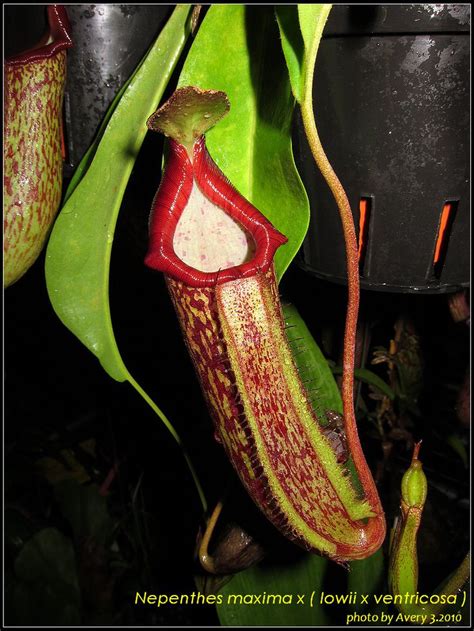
(366, 577)
(312, 18)
(45, 591)
(301, 578)
(80, 246)
(292, 44)
(367, 376)
(301, 28)
(237, 50)
(79, 250)
(313, 366)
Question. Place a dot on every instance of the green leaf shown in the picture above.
(46, 588)
(293, 45)
(312, 363)
(312, 18)
(366, 577)
(298, 578)
(301, 27)
(456, 443)
(48, 555)
(86, 510)
(17, 530)
(237, 50)
(80, 246)
(79, 250)
(367, 376)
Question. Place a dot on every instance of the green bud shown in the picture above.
(414, 485)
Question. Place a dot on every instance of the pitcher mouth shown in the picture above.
(181, 174)
(57, 38)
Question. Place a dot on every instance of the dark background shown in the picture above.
(57, 395)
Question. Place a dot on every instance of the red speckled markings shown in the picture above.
(34, 87)
(233, 326)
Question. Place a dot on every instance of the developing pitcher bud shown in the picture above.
(414, 483)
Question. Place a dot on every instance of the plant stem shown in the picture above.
(349, 238)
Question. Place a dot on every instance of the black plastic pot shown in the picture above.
(391, 100)
(109, 42)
